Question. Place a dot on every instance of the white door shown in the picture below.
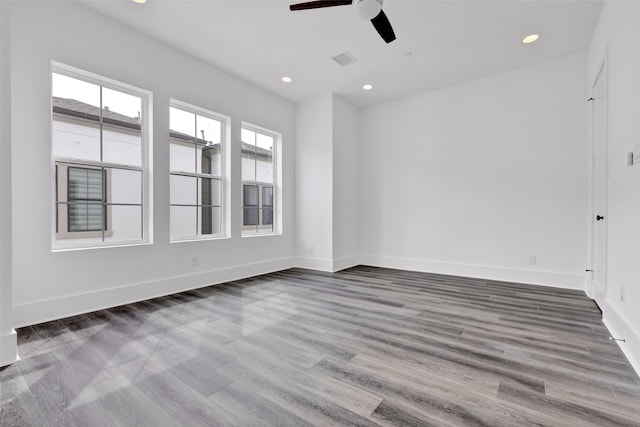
(599, 187)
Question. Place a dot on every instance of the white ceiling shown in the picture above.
(451, 41)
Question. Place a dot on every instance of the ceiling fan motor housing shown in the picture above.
(367, 9)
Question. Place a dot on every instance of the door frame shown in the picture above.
(601, 76)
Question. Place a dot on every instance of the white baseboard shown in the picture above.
(327, 264)
(620, 328)
(56, 308)
(8, 349)
(346, 262)
(321, 264)
(534, 277)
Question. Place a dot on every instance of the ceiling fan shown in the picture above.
(365, 9)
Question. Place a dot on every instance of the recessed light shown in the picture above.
(367, 87)
(530, 38)
(286, 79)
(140, 1)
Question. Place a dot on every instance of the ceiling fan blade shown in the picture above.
(383, 27)
(318, 4)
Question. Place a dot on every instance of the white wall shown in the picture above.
(327, 184)
(618, 33)
(473, 179)
(8, 339)
(68, 282)
(346, 165)
(314, 183)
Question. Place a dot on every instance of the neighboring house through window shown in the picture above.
(99, 156)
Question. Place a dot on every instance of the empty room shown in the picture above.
(337, 212)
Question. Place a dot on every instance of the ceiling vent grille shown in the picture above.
(344, 59)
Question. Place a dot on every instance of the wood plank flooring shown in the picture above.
(362, 347)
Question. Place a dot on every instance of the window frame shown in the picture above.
(275, 228)
(223, 178)
(70, 240)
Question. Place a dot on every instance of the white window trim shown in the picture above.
(277, 184)
(146, 96)
(225, 127)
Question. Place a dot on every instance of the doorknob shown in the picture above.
(599, 217)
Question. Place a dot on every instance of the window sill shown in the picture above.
(197, 239)
(274, 233)
(107, 245)
(82, 235)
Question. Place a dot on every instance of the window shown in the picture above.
(259, 172)
(100, 158)
(197, 172)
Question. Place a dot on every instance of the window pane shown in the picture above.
(182, 123)
(250, 196)
(264, 157)
(208, 130)
(85, 184)
(267, 216)
(250, 216)
(248, 136)
(248, 166)
(264, 166)
(210, 220)
(210, 192)
(184, 190)
(182, 156)
(76, 118)
(125, 223)
(85, 216)
(184, 221)
(69, 88)
(210, 160)
(248, 155)
(267, 196)
(124, 186)
(121, 134)
(264, 141)
(182, 126)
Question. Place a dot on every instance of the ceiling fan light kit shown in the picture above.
(365, 9)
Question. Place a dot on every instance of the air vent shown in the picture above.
(344, 59)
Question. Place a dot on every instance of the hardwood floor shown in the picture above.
(365, 346)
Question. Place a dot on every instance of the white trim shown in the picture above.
(320, 264)
(34, 312)
(534, 277)
(620, 328)
(9, 348)
(346, 262)
(601, 71)
(327, 264)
